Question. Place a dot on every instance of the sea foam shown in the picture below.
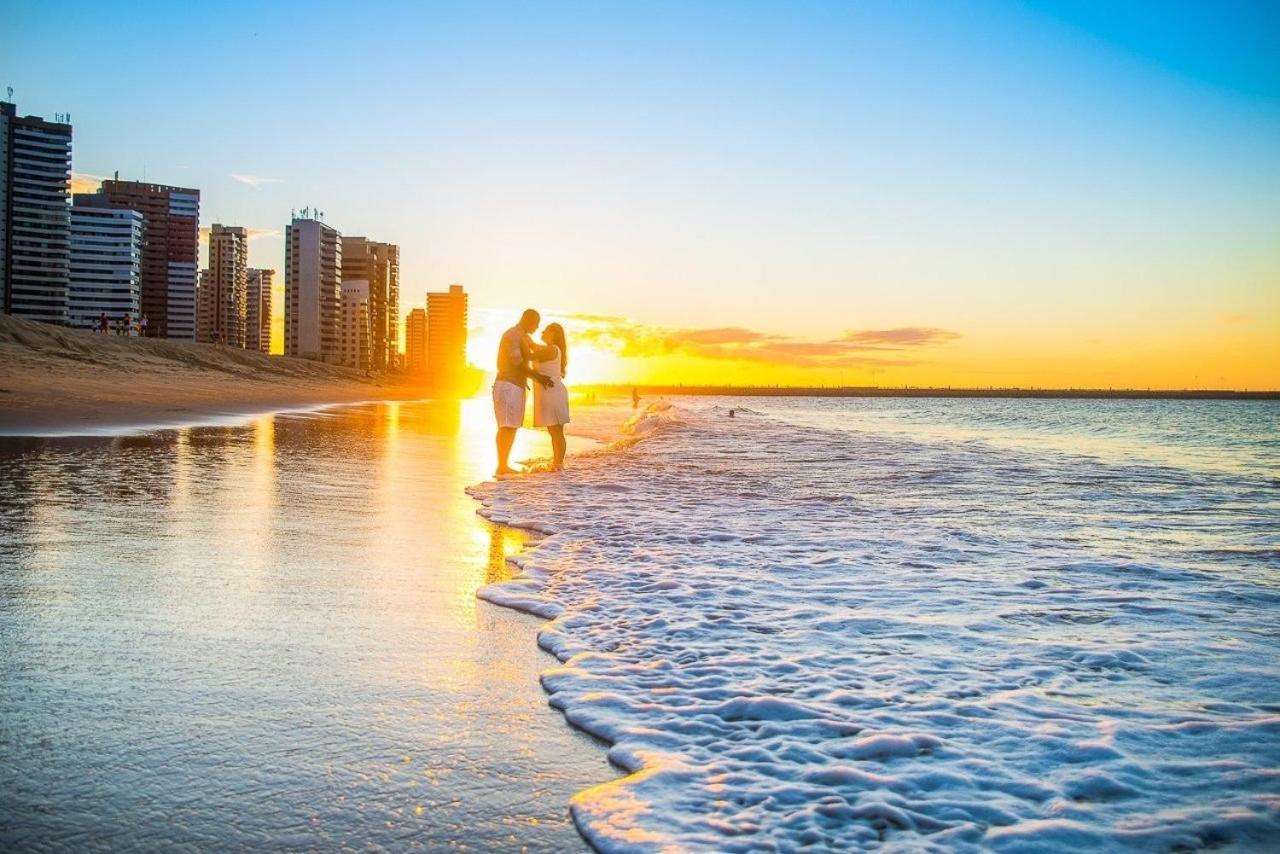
(796, 636)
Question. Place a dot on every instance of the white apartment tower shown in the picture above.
(378, 264)
(257, 324)
(106, 268)
(170, 250)
(313, 290)
(356, 334)
(35, 219)
(205, 307)
(180, 291)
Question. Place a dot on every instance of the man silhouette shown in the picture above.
(515, 351)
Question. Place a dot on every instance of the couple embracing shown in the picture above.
(521, 359)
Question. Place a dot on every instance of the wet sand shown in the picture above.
(267, 635)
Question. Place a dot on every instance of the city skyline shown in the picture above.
(1009, 194)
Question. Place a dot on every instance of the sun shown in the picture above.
(588, 362)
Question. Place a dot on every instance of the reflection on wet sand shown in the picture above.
(503, 543)
(268, 634)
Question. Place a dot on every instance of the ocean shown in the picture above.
(917, 624)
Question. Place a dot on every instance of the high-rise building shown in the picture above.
(258, 316)
(379, 265)
(354, 334)
(225, 290)
(313, 290)
(206, 307)
(446, 337)
(35, 221)
(415, 342)
(106, 269)
(170, 251)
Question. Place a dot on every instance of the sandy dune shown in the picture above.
(58, 379)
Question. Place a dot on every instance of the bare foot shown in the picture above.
(505, 470)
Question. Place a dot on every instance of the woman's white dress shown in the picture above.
(550, 405)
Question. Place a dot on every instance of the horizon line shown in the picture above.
(732, 389)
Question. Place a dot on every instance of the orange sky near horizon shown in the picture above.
(1223, 350)
(1218, 352)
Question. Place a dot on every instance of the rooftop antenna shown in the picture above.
(10, 98)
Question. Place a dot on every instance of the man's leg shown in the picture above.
(506, 438)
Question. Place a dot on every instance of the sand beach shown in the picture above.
(59, 380)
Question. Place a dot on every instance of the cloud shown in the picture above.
(853, 349)
(255, 181)
(903, 336)
(732, 335)
(593, 318)
(1232, 318)
(83, 182)
(254, 233)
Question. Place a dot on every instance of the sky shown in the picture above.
(950, 193)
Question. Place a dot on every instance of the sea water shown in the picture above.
(918, 624)
(264, 635)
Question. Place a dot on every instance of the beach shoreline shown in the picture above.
(61, 382)
(659, 607)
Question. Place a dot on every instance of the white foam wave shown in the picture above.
(794, 637)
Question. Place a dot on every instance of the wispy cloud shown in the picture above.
(255, 181)
(254, 233)
(593, 318)
(83, 182)
(1232, 318)
(871, 347)
(904, 336)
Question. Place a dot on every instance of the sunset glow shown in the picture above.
(640, 427)
(716, 193)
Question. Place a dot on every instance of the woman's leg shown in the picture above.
(557, 445)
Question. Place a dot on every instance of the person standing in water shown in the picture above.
(635, 398)
(551, 402)
(515, 351)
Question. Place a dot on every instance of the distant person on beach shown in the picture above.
(635, 398)
(516, 351)
(103, 323)
(551, 402)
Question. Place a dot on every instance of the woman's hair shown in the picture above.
(554, 334)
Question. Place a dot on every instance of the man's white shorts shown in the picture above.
(508, 404)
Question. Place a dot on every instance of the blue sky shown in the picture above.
(802, 168)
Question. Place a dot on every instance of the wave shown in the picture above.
(799, 637)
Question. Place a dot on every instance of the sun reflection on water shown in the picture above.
(268, 617)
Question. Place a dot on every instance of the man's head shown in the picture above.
(530, 320)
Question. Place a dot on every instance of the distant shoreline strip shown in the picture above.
(919, 392)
